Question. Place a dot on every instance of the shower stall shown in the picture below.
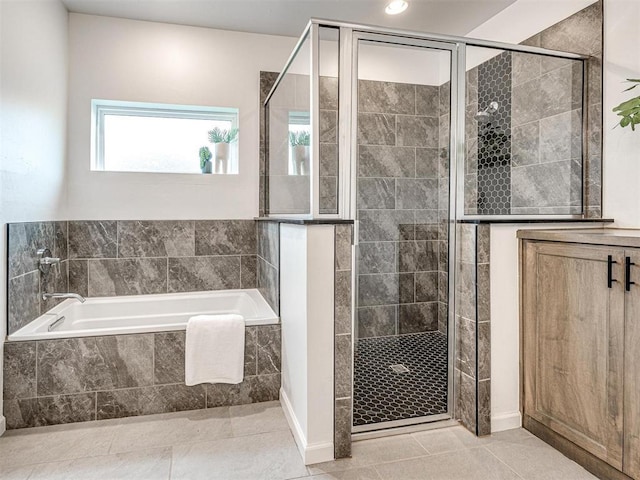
(412, 136)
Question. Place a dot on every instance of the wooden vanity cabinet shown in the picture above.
(580, 321)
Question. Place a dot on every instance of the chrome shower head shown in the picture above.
(487, 115)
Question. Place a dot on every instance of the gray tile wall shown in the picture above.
(472, 369)
(25, 282)
(328, 145)
(144, 257)
(546, 172)
(69, 380)
(580, 33)
(268, 262)
(398, 208)
(105, 258)
(546, 143)
(343, 329)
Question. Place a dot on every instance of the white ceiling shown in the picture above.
(288, 17)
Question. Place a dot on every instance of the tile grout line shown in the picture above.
(504, 463)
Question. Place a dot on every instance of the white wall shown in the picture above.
(33, 110)
(306, 313)
(621, 171)
(154, 62)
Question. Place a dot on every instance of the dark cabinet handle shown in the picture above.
(610, 279)
(627, 274)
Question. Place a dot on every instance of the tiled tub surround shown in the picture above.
(268, 263)
(108, 258)
(140, 257)
(401, 247)
(69, 380)
(25, 282)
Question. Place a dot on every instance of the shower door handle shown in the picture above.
(610, 279)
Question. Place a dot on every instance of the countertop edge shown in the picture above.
(523, 221)
(305, 221)
(622, 237)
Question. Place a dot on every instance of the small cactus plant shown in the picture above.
(205, 156)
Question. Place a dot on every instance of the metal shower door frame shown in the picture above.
(350, 39)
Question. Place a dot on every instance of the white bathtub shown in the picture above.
(144, 313)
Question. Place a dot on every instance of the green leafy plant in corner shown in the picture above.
(300, 138)
(629, 110)
(221, 135)
(205, 155)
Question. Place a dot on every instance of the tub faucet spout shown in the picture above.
(80, 298)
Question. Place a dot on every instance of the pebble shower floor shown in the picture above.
(383, 393)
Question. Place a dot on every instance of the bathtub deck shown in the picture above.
(253, 442)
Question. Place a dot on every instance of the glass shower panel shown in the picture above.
(402, 204)
(289, 139)
(524, 134)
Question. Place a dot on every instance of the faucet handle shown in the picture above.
(46, 261)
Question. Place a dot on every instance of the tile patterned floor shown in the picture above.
(382, 395)
(253, 442)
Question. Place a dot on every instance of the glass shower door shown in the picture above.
(402, 205)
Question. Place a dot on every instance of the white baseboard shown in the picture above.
(506, 421)
(316, 453)
(3, 425)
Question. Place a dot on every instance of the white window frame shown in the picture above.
(100, 108)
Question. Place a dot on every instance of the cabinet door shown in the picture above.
(631, 462)
(573, 334)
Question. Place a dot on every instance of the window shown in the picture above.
(151, 137)
(299, 141)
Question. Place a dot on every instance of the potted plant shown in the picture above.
(205, 160)
(629, 110)
(221, 138)
(300, 142)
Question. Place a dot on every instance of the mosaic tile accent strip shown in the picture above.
(494, 136)
(381, 395)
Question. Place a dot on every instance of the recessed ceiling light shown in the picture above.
(396, 6)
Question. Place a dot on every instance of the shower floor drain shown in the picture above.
(399, 368)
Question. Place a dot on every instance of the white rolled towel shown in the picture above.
(214, 349)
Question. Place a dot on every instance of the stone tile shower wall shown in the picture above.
(343, 347)
(528, 160)
(581, 33)
(25, 282)
(50, 382)
(328, 145)
(472, 368)
(398, 208)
